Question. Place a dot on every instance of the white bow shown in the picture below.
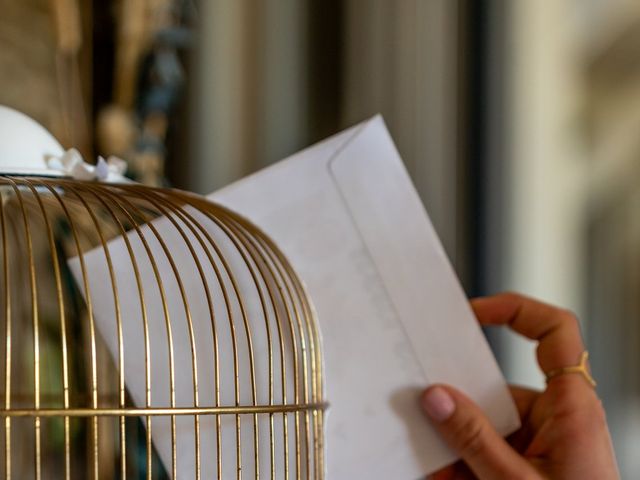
(72, 164)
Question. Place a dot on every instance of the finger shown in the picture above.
(466, 429)
(457, 471)
(524, 399)
(556, 330)
(447, 473)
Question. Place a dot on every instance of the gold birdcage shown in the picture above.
(229, 388)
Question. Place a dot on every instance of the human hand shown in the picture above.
(564, 433)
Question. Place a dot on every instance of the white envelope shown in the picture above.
(392, 313)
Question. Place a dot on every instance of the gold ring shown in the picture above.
(582, 368)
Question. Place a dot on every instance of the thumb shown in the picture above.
(467, 431)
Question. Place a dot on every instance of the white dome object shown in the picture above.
(27, 148)
(25, 145)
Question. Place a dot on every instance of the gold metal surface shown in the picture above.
(582, 368)
(67, 412)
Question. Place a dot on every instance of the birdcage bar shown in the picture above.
(156, 412)
(238, 231)
(303, 343)
(92, 330)
(237, 236)
(158, 200)
(141, 235)
(167, 322)
(196, 417)
(270, 292)
(190, 222)
(129, 212)
(231, 219)
(316, 382)
(194, 362)
(7, 303)
(314, 347)
(120, 363)
(36, 321)
(312, 343)
(225, 227)
(238, 241)
(63, 325)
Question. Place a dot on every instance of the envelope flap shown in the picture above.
(417, 276)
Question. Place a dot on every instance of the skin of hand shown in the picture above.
(564, 433)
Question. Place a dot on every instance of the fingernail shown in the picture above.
(438, 404)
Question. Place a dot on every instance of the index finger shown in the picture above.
(557, 330)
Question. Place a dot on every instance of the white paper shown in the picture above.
(392, 314)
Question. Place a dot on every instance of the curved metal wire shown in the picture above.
(65, 391)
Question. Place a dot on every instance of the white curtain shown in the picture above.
(253, 97)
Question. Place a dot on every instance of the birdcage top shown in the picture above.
(150, 320)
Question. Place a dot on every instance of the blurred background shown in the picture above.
(518, 121)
